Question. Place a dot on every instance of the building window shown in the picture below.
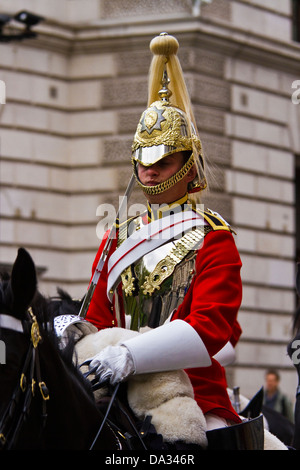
(296, 20)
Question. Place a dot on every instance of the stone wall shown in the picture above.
(74, 97)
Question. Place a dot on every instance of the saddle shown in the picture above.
(161, 413)
(136, 434)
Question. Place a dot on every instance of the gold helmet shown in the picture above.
(167, 126)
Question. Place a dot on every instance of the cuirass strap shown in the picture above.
(148, 238)
(152, 290)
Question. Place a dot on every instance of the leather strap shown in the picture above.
(11, 323)
(148, 238)
(11, 422)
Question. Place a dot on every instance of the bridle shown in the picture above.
(18, 408)
(30, 380)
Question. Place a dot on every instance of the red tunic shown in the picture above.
(210, 306)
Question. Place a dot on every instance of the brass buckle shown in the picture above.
(23, 382)
(44, 391)
(35, 331)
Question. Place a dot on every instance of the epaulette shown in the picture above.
(215, 220)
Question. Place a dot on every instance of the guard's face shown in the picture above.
(161, 171)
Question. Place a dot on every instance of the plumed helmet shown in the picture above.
(167, 125)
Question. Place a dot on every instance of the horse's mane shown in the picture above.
(6, 296)
(45, 310)
(63, 304)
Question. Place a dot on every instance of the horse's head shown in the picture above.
(45, 402)
(18, 291)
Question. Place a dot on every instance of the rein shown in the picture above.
(11, 423)
(127, 436)
(18, 408)
(105, 417)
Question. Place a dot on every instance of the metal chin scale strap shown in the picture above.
(19, 406)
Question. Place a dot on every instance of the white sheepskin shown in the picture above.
(178, 385)
(272, 442)
(166, 396)
(169, 398)
(180, 418)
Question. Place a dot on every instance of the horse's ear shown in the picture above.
(23, 282)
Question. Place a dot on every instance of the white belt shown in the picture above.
(146, 239)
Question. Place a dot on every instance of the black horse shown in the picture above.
(45, 402)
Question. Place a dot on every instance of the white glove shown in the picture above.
(114, 363)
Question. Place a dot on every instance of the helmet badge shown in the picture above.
(152, 119)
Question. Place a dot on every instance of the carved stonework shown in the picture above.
(208, 119)
(216, 148)
(128, 120)
(210, 91)
(207, 61)
(117, 150)
(117, 9)
(126, 90)
(220, 9)
(133, 62)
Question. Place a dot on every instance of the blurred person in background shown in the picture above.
(274, 398)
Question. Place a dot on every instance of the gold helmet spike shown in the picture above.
(167, 125)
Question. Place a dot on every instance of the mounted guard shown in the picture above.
(172, 272)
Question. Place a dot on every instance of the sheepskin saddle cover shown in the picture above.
(167, 397)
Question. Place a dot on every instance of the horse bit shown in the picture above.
(25, 390)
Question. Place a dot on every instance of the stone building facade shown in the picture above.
(73, 99)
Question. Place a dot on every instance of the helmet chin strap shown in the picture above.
(165, 185)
